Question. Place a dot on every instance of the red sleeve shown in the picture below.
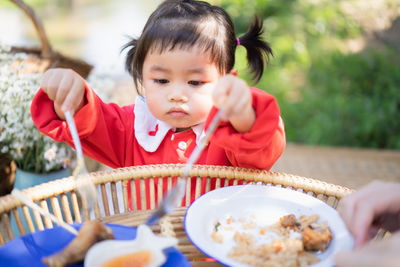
(104, 129)
(261, 147)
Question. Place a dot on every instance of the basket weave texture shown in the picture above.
(113, 206)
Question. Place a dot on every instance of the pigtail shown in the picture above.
(258, 50)
(132, 45)
(130, 55)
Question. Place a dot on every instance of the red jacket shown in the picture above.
(107, 135)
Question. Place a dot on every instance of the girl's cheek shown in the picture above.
(206, 104)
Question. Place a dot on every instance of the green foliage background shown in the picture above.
(326, 96)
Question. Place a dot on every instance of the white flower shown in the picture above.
(19, 137)
(51, 154)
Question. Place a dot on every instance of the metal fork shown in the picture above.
(84, 185)
(175, 195)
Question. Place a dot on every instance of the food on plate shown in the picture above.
(289, 242)
(316, 238)
(90, 233)
(145, 250)
(137, 259)
(289, 221)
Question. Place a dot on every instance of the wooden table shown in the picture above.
(170, 226)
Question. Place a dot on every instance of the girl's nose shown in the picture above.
(177, 94)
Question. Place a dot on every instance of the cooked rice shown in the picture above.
(287, 249)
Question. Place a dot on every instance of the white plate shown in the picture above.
(273, 202)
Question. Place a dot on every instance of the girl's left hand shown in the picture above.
(233, 96)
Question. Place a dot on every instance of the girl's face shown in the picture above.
(178, 85)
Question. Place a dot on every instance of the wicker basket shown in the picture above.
(62, 196)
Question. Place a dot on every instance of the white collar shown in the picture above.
(150, 132)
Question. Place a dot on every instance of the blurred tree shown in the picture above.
(336, 82)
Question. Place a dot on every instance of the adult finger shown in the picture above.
(382, 253)
(356, 258)
(346, 210)
(347, 207)
(362, 220)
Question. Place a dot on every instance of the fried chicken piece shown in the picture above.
(316, 237)
(305, 221)
(90, 233)
(289, 221)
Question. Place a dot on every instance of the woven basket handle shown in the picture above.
(46, 50)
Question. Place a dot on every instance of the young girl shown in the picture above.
(183, 64)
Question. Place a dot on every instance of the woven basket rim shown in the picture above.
(67, 184)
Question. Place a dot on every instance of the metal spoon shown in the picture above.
(171, 201)
(84, 185)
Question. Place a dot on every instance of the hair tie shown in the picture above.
(237, 41)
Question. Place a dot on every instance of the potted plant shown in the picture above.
(33, 152)
(7, 174)
(20, 73)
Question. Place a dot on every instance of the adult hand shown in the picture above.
(233, 96)
(383, 253)
(66, 88)
(374, 206)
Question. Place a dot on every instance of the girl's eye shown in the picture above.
(195, 83)
(162, 81)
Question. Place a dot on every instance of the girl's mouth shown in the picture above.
(177, 112)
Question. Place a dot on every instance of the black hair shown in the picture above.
(184, 23)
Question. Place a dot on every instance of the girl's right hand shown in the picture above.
(66, 88)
